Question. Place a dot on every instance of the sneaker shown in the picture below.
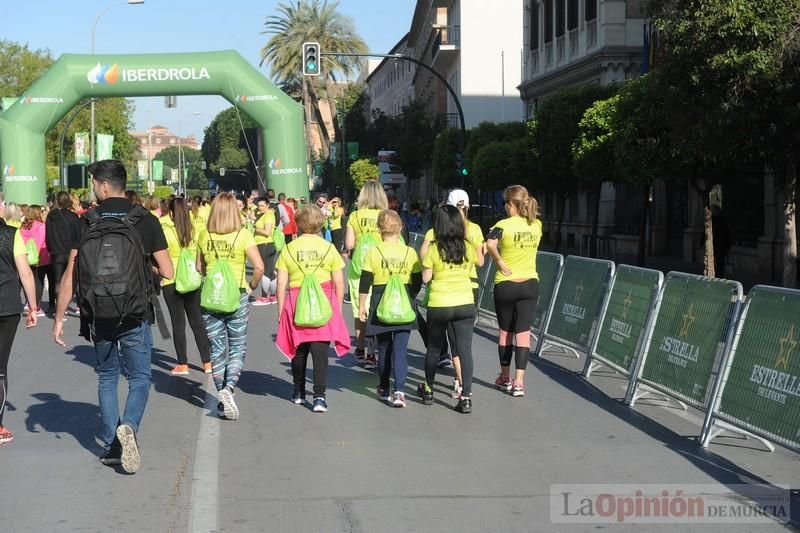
(73, 310)
(346, 299)
(359, 353)
(444, 362)
(398, 399)
(464, 406)
(180, 370)
(5, 435)
(207, 368)
(261, 300)
(228, 404)
(370, 361)
(26, 310)
(298, 396)
(272, 300)
(40, 313)
(130, 459)
(320, 405)
(456, 389)
(384, 394)
(518, 388)
(503, 383)
(113, 456)
(425, 392)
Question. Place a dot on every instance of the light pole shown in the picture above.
(182, 168)
(94, 30)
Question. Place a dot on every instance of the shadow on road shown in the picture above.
(57, 416)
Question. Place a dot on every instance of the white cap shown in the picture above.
(458, 196)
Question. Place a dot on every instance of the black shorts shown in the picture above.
(515, 303)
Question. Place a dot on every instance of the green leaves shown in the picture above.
(362, 171)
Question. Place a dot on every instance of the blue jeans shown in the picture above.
(127, 352)
(393, 358)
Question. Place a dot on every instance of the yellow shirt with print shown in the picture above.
(264, 220)
(231, 247)
(474, 236)
(174, 245)
(307, 254)
(451, 284)
(19, 245)
(518, 247)
(335, 220)
(391, 258)
(364, 221)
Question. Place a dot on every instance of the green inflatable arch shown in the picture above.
(74, 77)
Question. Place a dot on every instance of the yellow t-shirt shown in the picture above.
(518, 247)
(267, 219)
(307, 254)
(391, 258)
(451, 284)
(174, 245)
(198, 221)
(230, 246)
(335, 220)
(474, 237)
(19, 245)
(14, 223)
(364, 221)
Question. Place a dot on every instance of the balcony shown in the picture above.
(446, 43)
(573, 42)
(548, 54)
(449, 121)
(534, 63)
(561, 49)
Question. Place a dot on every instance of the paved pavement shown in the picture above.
(360, 467)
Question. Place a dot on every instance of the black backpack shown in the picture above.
(114, 276)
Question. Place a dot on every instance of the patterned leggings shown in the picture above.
(228, 331)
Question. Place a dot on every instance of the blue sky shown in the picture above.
(179, 26)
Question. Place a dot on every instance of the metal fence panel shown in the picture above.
(579, 300)
(689, 336)
(548, 266)
(622, 327)
(759, 390)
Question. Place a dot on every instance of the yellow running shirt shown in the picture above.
(364, 221)
(19, 245)
(307, 254)
(230, 246)
(451, 284)
(174, 245)
(267, 219)
(335, 220)
(518, 246)
(474, 237)
(397, 258)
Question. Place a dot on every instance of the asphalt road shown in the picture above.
(360, 467)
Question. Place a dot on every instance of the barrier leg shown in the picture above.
(642, 391)
(590, 366)
(718, 427)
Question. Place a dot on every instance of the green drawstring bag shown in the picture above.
(427, 295)
(395, 306)
(220, 292)
(278, 239)
(33, 252)
(187, 278)
(312, 308)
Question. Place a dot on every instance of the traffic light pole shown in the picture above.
(463, 142)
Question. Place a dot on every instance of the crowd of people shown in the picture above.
(108, 264)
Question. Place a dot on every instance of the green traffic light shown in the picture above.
(311, 65)
(464, 172)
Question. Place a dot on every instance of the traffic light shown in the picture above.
(460, 168)
(311, 59)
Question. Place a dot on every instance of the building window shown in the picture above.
(591, 9)
(560, 8)
(158, 141)
(172, 140)
(534, 44)
(548, 21)
(572, 14)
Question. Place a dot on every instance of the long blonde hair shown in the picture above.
(526, 205)
(224, 217)
(372, 196)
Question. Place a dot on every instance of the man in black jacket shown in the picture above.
(58, 236)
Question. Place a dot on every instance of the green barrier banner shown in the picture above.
(158, 170)
(74, 77)
(689, 335)
(487, 299)
(82, 147)
(579, 300)
(762, 390)
(105, 144)
(626, 315)
(548, 266)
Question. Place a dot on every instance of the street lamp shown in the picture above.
(94, 30)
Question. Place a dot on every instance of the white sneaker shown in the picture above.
(398, 399)
(229, 406)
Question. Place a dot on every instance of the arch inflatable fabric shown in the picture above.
(74, 77)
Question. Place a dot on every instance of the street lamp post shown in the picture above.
(94, 30)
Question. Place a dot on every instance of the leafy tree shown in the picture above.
(195, 176)
(311, 20)
(362, 171)
(444, 158)
(224, 146)
(502, 163)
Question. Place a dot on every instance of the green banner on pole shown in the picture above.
(762, 390)
(141, 168)
(352, 151)
(158, 170)
(689, 335)
(105, 145)
(626, 314)
(579, 299)
(548, 266)
(82, 147)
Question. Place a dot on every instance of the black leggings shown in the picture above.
(337, 239)
(515, 304)
(8, 330)
(462, 318)
(58, 266)
(319, 354)
(182, 306)
(268, 256)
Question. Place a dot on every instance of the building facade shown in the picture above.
(160, 138)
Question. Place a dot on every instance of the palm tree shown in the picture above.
(311, 20)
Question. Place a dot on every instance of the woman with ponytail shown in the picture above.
(516, 286)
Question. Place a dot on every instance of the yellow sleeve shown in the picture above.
(429, 236)
(246, 239)
(369, 264)
(428, 261)
(281, 263)
(19, 245)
